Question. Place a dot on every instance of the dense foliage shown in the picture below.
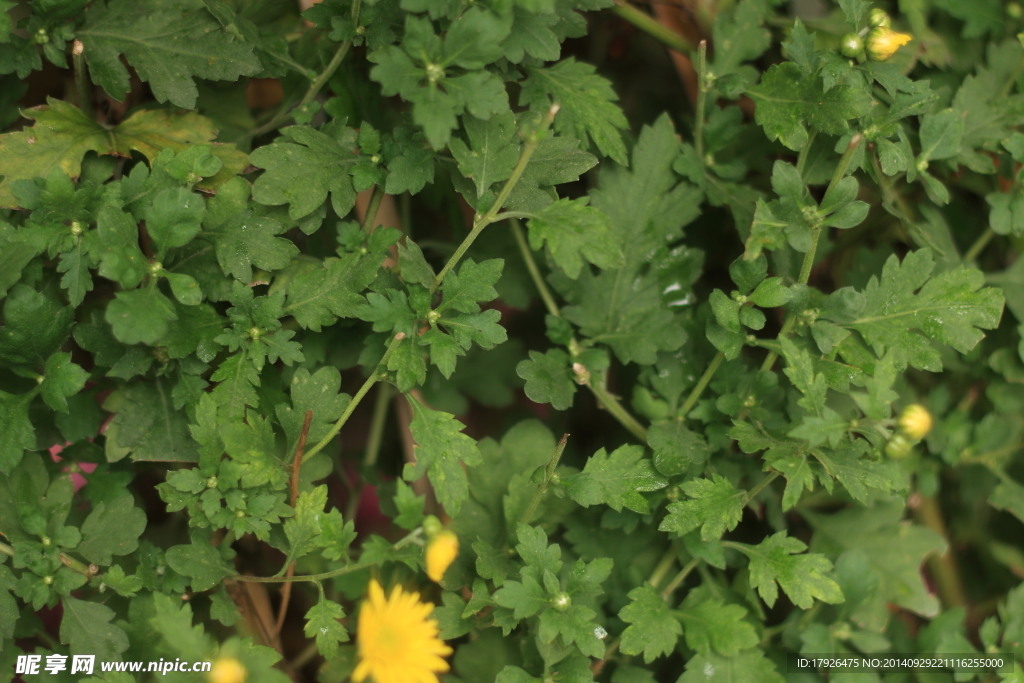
(296, 302)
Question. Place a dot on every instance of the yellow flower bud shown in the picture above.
(915, 421)
(883, 43)
(228, 670)
(442, 550)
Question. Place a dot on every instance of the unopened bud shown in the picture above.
(915, 421)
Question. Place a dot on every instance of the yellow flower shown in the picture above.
(228, 670)
(883, 43)
(397, 642)
(915, 421)
(442, 550)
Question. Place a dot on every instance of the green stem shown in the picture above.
(76, 566)
(801, 161)
(612, 405)
(377, 422)
(412, 536)
(6, 550)
(808, 264)
(609, 402)
(82, 83)
(513, 214)
(652, 27)
(979, 245)
(702, 384)
(702, 96)
(350, 408)
(943, 567)
(542, 488)
(678, 579)
(1012, 80)
(666, 562)
(318, 83)
(481, 222)
(531, 266)
(371, 209)
(752, 493)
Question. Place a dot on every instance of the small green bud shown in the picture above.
(851, 45)
(561, 601)
(435, 72)
(41, 37)
(879, 18)
(898, 447)
(47, 580)
(211, 483)
(1014, 11)
(432, 526)
(76, 228)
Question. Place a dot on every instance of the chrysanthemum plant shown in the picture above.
(297, 308)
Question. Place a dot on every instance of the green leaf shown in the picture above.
(574, 232)
(86, 629)
(615, 480)
(317, 392)
(167, 47)
(549, 378)
(63, 135)
(322, 622)
(440, 453)
(449, 617)
(200, 561)
(941, 134)
(147, 426)
(749, 666)
(8, 606)
(716, 507)
(174, 217)
(62, 379)
(894, 549)
(711, 624)
(557, 160)
(586, 102)
(125, 586)
(676, 448)
(906, 307)
(492, 152)
(525, 598)
(302, 168)
(771, 293)
(35, 326)
(112, 529)
(787, 99)
(473, 283)
(775, 562)
(652, 630)
(740, 36)
(303, 529)
(241, 239)
(19, 434)
(140, 316)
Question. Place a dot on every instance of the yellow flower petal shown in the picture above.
(397, 642)
(442, 550)
(228, 670)
(915, 421)
(883, 42)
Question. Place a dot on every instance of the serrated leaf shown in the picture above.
(549, 378)
(652, 630)
(61, 379)
(676, 448)
(440, 451)
(200, 561)
(112, 529)
(616, 480)
(19, 434)
(711, 624)
(786, 99)
(322, 622)
(87, 629)
(715, 506)
(749, 666)
(167, 47)
(574, 232)
(586, 101)
(140, 316)
(906, 308)
(302, 169)
(776, 562)
(303, 529)
(492, 152)
(241, 239)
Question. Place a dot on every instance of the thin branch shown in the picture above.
(350, 408)
(542, 488)
(702, 384)
(371, 209)
(678, 579)
(482, 221)
(286, 591)
(652, 27)
(808, 263)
